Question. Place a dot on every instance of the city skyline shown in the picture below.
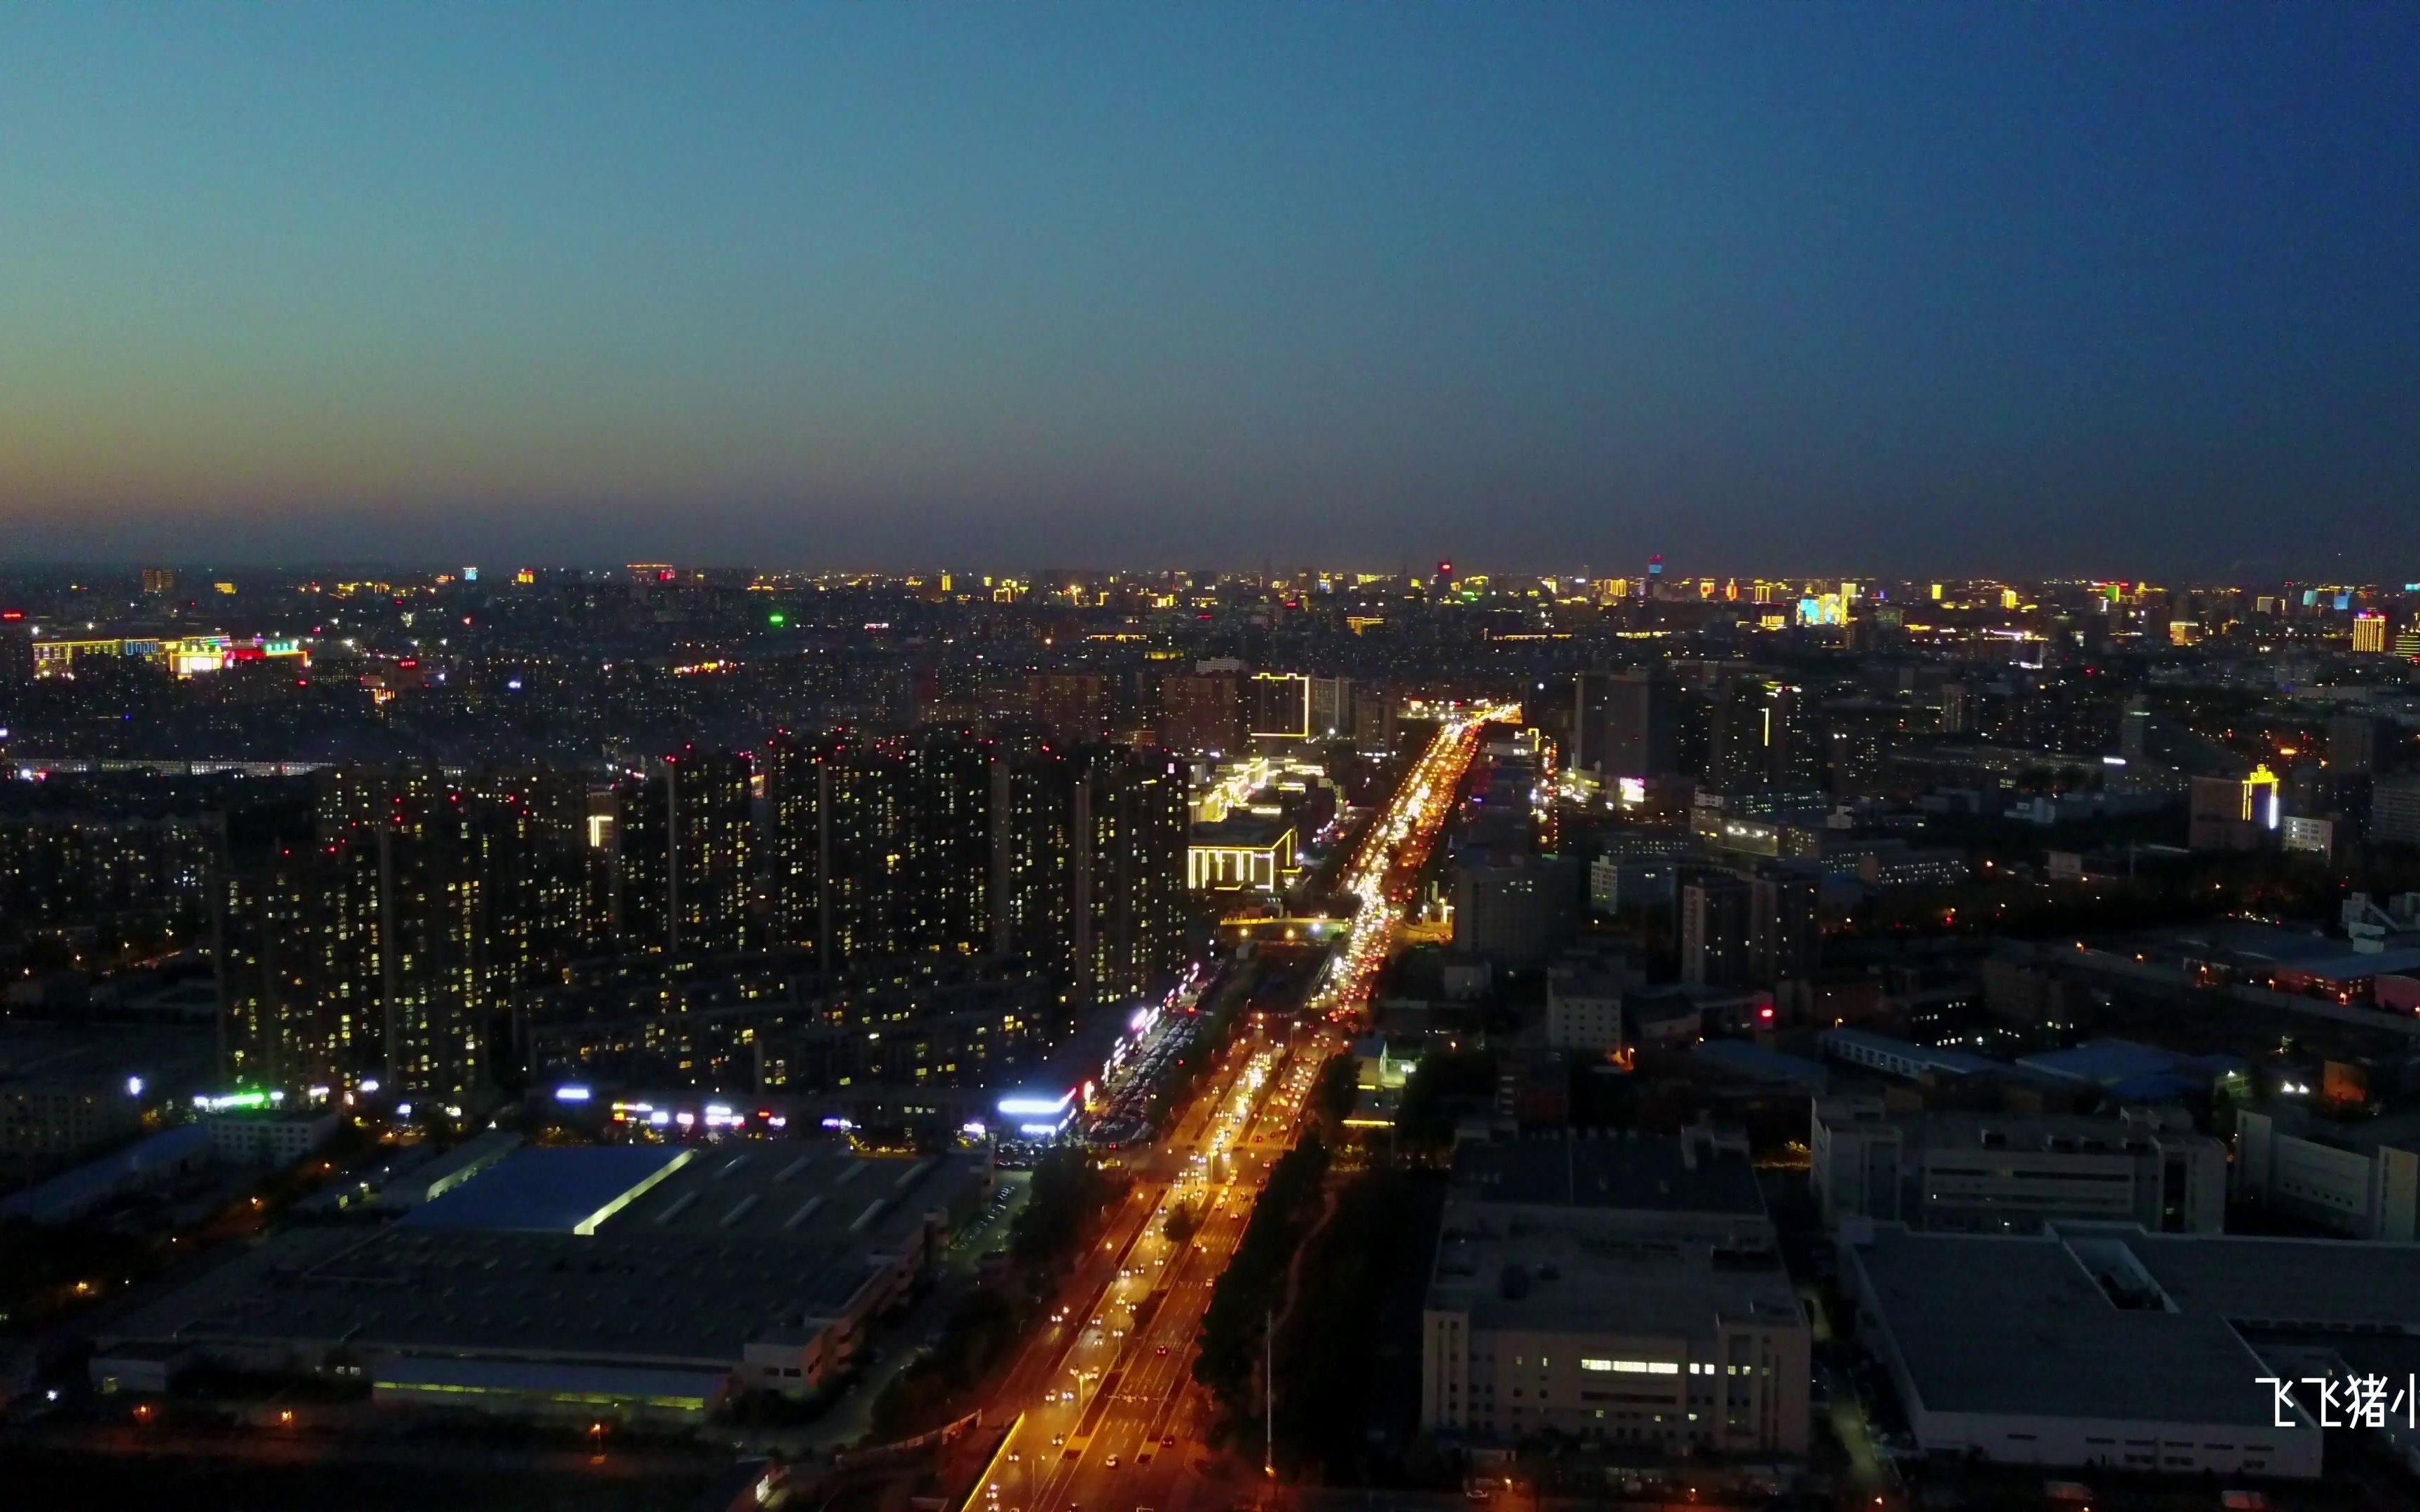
(2008, 291)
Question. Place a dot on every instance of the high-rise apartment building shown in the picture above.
(1276, 706)
(1763, 735)
(1202, 713)
(881, 847)
(1089, 869)
(684, 836)
(1075, 708)
(1069, 857)
(1624, 723)
(1332, 708)
(2353, 743)
(389, 926)
(1374, 719)
(1748, 928)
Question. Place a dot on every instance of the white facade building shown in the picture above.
(2012, 1173)
(2351, 1181)
(1622, 1290)
(2104, 1344)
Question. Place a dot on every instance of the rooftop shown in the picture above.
(88, 1183)
(1553, 1279)
(635, 1298)
(2115, 1062)
(803, 1190)
(1745, 1059)
(1663, 1173)
(553, 1191)
(2108, 1321)
(1243, 829)
(1956, 1062)
(2018, 1325)
(2288, 1283)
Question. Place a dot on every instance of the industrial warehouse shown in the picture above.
(642, 1283)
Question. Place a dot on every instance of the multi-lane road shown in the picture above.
(1110, 1416)
(1393, 850)
(1111, 1421)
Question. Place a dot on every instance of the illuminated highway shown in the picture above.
(1111, 1417)
(1393, 850)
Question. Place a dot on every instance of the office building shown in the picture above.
(1584, 1008)
(270, 1137)
(65, 1092)
(1244, 852)
(2012, 1173)
(1276, 706)
(1517, 912)
(2233, 814)
(2395, 810)
(2369, 634)
(2308, 835)
(1623, 1291)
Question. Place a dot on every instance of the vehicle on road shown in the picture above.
(1111, 1462)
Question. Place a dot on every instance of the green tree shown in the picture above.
(1067, 1194)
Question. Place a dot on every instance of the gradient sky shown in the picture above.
(2129, 289)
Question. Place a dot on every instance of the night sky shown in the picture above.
(2125, 288)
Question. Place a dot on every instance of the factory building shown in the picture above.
(2105, 1345)
(637, 1283)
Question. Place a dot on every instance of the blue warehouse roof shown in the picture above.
(553, 1191)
